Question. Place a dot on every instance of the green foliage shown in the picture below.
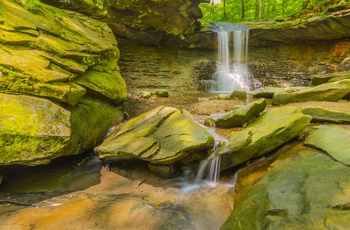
(250, 10)
(32, 6)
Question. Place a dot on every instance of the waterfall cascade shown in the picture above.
(232, 71)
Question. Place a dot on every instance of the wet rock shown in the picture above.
(269, 131)
(302, 189)
(334, 140)
(242, 115)
(329, 77)
(163, 135)
(333, 91)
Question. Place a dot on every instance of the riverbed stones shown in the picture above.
(269, 131)
(239, 94)
(333, 91)
(302, 189)
(162, 93)
(239, 117)
(161, 136)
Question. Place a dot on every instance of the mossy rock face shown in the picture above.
(43, 52)
(68, 63)
(269, 131)
(34, 131)
(333, 91)
(302, 189)
(162, 136)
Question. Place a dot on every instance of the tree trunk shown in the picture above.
(243, 10)
(224, 10)
(261, 9)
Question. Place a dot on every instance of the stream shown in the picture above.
(127, 196)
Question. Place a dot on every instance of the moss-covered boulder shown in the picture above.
(302, 189)
(320, 114)
(44, 52)
(334, 140)
(68, 63)
(333, 91)
(329, 77)
(34, 131)
(269, 131)
(163, 135)
(239, 117)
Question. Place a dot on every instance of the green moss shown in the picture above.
(110, 86)
(90, 119)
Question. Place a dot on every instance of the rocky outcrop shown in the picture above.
(146, 22)
(272, 129)
(333, 91)
(163, 136)
(67, 62)
(327, 27)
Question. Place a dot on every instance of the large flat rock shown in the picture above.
(162, 135)
(269, 131)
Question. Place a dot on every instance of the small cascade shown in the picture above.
(232, 72)
(209, 169)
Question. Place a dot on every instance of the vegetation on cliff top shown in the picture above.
(252, 10)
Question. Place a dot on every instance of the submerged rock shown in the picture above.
(272, 129)
(163, 135)
(333, 91)
(242, 115)
(302, 189)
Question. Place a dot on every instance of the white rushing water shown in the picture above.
(232, 71)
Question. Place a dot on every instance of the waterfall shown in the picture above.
(232, 74)
(209, 169)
